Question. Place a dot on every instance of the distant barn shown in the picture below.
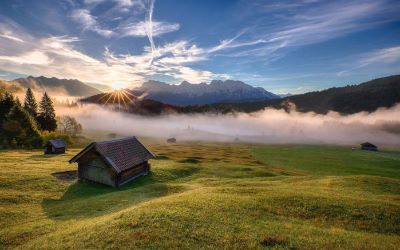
(171, 140)
(113, 163)
(55, 146)
(369, 146)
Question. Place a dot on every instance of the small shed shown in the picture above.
(171, 140)
(55, 146)
(114, 162)
(369, 146)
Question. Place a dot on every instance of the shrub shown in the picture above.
(46, 135)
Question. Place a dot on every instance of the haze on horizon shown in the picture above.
(285, 47)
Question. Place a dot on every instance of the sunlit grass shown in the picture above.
(206, 195)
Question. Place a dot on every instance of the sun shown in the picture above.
(119, 85)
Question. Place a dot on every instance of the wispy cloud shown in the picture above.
(89, 22)
(9, 36)
(320, 21)
(382, 56)
(141, 29)
(59, 57)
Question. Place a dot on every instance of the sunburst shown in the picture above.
(121, 98)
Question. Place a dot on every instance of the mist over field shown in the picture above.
(267, 126)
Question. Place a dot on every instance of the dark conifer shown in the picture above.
(30, 104)
(47, 116)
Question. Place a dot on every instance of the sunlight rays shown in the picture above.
(121, 98)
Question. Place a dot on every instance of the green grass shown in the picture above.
(207, 196)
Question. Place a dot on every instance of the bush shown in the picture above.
(46, 135)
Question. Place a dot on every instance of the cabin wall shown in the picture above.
(93, 168)
(132, 173)
(51, 150)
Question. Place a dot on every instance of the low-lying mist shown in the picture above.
(267, 126)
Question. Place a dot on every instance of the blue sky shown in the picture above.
(283, 46)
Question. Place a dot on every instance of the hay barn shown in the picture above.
(369, 146)
(171, 140)
(114, 162)
(56, 146)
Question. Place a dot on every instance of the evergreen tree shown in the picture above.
(30, 103)
(21, 127)
(47, 116)
(18, 102)
(6, 103)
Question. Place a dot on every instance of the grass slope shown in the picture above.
(208, 196)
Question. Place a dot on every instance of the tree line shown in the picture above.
(30, 124)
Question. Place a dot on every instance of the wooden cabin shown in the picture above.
(171, 140)
(55, 146)
(114, 162)
(368, 146)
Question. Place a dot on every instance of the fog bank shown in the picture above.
(267, 126)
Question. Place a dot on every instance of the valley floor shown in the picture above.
(208, 196)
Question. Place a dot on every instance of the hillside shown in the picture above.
(122, 100)
(207, 196)
(200, 94)
(55, 86)
(9, 87)
(368, 96)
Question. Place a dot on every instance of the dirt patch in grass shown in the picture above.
(66, 175)
(190, 160)
(274, 241)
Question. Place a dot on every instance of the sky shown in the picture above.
(282, 46)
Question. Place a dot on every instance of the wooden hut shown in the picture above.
(369, 146)
(55, 146)
(171, 140)
(113, 163)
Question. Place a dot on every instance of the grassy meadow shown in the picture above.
(208, 196)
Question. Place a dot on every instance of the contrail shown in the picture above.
(149, 27)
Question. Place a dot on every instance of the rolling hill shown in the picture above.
(199, 94)
(55, 86)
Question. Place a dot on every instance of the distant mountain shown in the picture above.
(198, 94)
(9, 87)
(127, 102)
(368, 96)
(101, 87)
(55, 86)
(285, 95)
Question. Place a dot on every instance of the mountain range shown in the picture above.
(221, 96)
(368, 96)
(216, 91)
(55, 86)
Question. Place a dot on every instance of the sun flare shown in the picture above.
(119, 85)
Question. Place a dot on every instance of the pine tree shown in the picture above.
(6, 103)
(47, 116)
(18, 102)
(20, 126)
(30, 103)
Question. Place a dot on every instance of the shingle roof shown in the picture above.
(121, 154)
(58, 143)
(367, 144)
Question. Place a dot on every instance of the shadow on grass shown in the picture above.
(86, 199)
(44, 156)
